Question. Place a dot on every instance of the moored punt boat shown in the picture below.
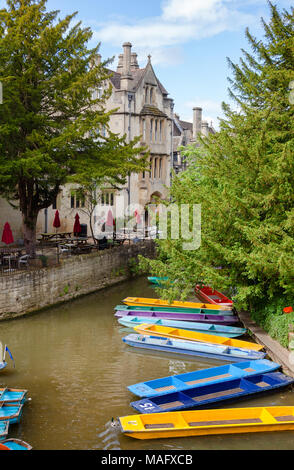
(193, 348)
(215, 319)
(10, 412)
(208, 422)
(187, 335)
(212, 296)
(3, 363)
(147, 302)
(16, 444)
(157, 280)
(213, 394)
(12, 395)
(4, 425)
(212, 375)
(158, 308)
(227, 331)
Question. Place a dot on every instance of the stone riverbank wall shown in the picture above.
(28, 291)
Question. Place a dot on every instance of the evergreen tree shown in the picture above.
(243, 178)
(51, 126)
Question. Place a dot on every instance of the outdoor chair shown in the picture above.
(23, 261)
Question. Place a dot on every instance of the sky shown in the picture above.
(188, 40)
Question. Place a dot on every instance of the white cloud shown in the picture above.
(180, 21)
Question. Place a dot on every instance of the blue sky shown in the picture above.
(189, 41)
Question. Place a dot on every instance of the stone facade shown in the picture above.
(143, 109)
(30, 291)
(186, 133)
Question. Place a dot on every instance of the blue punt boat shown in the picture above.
(10, 412)
(213, 394)
(193, 348)
(4, 425)
(16, 444)
(166, 308)
(212, 375)
(220, 330)
(12, 395)
(3, 363)
(157, 280)
(180, 316)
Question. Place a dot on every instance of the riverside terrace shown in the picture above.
(52, 247)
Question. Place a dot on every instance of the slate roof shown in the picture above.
(137, 75)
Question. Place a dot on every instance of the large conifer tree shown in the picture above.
(244, 179)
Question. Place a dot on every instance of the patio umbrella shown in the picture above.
(138, 217)
(7, 236)
(110, 220)
(56, 222)
(77, 226)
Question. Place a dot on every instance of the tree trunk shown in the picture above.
(29, 233)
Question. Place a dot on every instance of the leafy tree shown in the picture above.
(51, 127)
(243, 178)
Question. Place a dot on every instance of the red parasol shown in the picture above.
(77, 226)
(7, 236)
(56, 222)
(110, 220)
(138, 217)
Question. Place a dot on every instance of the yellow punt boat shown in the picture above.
(189, 335)
(146, 302)
(208, 422)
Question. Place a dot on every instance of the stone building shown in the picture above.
(185, 133)
(143, 109)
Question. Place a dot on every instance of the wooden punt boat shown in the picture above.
(212, 375)
(147, 302)
(212, 319)
(207, 294)
(157, 280)
(16, 444)
(208, 422)
(214, 394)
(3, 363)
(4, 425)
(158, 308)
(12, 395)
(193, 348)
(187, 335)
(10, 412)
(220, 330)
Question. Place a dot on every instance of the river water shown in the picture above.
(73, 362)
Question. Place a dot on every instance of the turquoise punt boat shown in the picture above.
(214, 394)
(203, 311)
(16, 444)
(12, 395)
(10, 412)
(193, 348)
(158, 281)
(219, 330)
(4, 425)
(212, 375)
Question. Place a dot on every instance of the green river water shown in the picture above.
(73, 362)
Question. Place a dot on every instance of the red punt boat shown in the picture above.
(212, 296)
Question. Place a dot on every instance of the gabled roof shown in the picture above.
(148, 109)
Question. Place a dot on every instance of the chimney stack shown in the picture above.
(134, 61)
(126, 76)
(197, 122)
(204, 128)
(120, 63)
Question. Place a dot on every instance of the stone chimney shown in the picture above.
(204, 128)
(197, 122)
(134, 61)
(126, 75)
(96, 60)
(120, 63)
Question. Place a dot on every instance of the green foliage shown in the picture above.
(243, 178)
(271, 317)
(52, 128)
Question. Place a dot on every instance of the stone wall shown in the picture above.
(29, 291)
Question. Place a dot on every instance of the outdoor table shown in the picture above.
(55, 236)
